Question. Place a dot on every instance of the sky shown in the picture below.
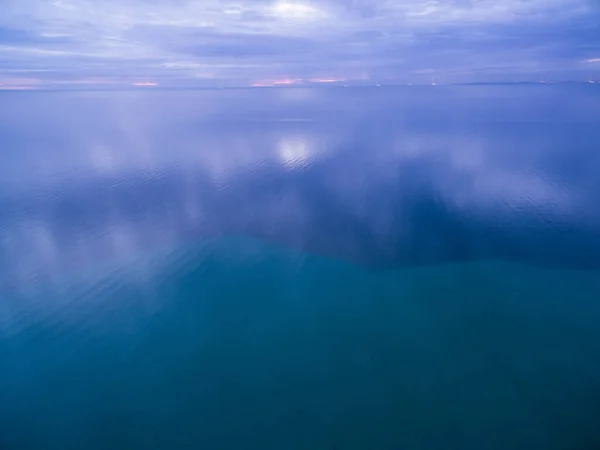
(144, 44)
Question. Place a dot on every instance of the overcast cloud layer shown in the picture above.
(179, 43)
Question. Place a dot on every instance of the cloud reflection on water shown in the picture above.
(392, 183)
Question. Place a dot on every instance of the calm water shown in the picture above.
(378, 268)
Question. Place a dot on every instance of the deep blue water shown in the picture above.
(382, 268)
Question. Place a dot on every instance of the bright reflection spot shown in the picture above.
(294, 152)
(145, 83)
(296, 10)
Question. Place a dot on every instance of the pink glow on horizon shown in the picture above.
(8, 87)
(291, 81)
(282, 82)
(92, 81)
(326, 80)
(286, 81)
(18, 81)
(145, 83)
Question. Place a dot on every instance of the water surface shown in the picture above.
(301, 268)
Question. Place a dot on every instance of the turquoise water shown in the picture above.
(301, 269)
(247, 345)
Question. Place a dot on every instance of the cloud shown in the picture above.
(185, 42)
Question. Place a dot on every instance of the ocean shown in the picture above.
(296, 268)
